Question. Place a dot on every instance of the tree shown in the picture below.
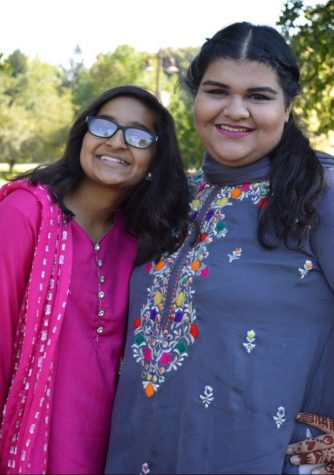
(124, 66)
(75, 66)
(13, 132)
(35, 111)
(310, 32)
(181, 107)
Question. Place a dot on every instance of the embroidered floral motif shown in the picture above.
(166, 327)
(236, 254)
(280, 417)
(250, 345)
(306, 269)
(208, 396)
(145, 469)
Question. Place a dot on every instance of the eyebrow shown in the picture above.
(251, 89)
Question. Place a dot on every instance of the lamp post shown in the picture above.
(164, 63)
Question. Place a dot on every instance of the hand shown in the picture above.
(318, 450)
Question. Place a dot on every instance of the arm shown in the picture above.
(320, 449)
(19, 224)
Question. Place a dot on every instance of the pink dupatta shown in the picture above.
(24, 431)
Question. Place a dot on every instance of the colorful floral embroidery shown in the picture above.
(280, 417)
(208, 396)
(249, 344)
(236, 254)
(306, 269)
(166, 327)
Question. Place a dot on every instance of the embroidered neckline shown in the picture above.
(161, 345)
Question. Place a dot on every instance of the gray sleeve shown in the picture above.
(322, 235)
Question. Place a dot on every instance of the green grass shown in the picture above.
(18, 168)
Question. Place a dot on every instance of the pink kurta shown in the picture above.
(92, 332)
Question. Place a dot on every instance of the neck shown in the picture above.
(94, 207)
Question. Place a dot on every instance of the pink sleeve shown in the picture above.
(19, 224)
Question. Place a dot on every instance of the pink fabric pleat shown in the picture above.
(25, 426)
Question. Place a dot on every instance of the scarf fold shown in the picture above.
(219, 174)
(25, 426)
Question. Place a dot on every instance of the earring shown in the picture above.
(148, 176)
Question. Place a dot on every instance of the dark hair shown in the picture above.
(155, 211)
(296, 176)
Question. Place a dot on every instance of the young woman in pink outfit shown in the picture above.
(71, 233)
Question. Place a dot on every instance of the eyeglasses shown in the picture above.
(105, 128)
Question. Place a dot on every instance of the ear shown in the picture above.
(287, 111)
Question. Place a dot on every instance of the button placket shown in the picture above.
(100, 293)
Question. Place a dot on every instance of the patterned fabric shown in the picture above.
(227, 341)
(26, 416)
(162, 340)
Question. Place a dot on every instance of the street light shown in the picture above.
(166, 64)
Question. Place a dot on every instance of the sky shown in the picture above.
(50, 30)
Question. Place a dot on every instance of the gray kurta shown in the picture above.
(227, 341)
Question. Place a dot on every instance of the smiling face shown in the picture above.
(110, 161)
(240, 111)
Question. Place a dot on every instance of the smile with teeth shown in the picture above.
(107, 158)
(234, 128)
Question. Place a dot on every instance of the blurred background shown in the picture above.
(57, 56)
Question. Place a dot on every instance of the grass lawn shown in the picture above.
(18, 168)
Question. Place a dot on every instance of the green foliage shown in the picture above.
(34, 109)
(310, 32)
(191, 147)
(181, 106)
(72, 72)
(124, 66)
(38, 101)
(17, 63)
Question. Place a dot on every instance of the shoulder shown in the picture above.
(20, 199)
(326, 208)
(327, 162)
(21, 189)
(325, 158)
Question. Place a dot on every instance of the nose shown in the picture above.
(235, 108)
(117, 140)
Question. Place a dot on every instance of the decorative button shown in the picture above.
(100, 295)
(101, 279)
(101, 313)
(97, 247)
(99, 330)
(99, 263)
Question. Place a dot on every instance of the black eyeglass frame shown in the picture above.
(123, 129)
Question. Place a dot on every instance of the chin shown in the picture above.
(233, 161)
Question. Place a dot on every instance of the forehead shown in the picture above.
(128, 110)
(244, 73)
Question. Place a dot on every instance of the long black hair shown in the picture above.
(296, 176)
(155, 211)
